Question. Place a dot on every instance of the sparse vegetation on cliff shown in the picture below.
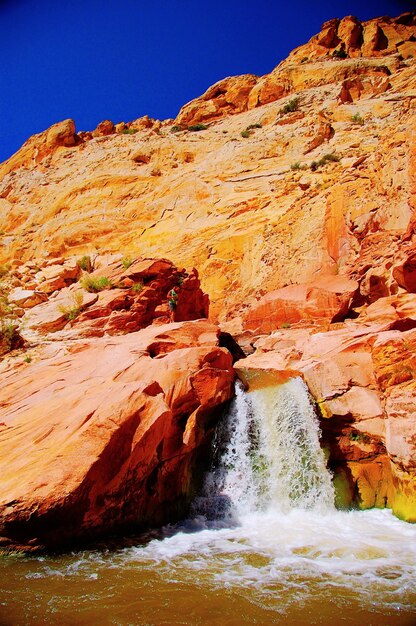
(126, 262)
(85, 263)
(327, 158)
(297, 166)
(291, 106)
(137, 287)
(93, 285)
(357, 119)
(72, 311)
(8, 326)
(197, 127)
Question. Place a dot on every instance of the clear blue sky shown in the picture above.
(120, 59)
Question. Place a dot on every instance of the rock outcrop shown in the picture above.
(107, 415)
(362, 376)
(339, 40)
(273, 193)
(108, 435)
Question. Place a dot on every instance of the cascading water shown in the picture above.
(264, 545)
(268, 455)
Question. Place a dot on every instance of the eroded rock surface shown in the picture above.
(106, 418)
(362, 375)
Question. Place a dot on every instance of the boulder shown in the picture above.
(326, 298)
(108, 435)
(103, 129)
(26, 298)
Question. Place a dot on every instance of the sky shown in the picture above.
(92, 60)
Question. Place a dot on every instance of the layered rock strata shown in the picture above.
(107, 434)
(294, 196)
(362, 375)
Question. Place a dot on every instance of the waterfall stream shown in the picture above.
(268, 456)
(263, 545)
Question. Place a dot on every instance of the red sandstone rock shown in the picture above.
(103, 436)
(362, 376)
(229, 95)
(104, 128)
(405, 273)
(326, 298)
(41, 145)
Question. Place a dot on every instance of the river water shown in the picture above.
(263, 545)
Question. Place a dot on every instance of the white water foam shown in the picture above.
(271, 532)
(270, 456)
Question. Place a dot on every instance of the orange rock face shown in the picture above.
(294, 200)
(108, 432)
(253, 213)
(326, 299)
(339, 39)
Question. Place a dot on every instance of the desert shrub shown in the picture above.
(126, 262)
(357, 119)
(8, 326)
(252, 126)
(245, 133)
(156, 171)
(358, 437)
(291, 106)
(137, 287)
(339, 54)
(327, 158)
(297, 166)
(130, 131)
(177, 128)
(197, 127)
(285, 325)
(28, 359)
(72, 311)
(85, 263)
(93, 285)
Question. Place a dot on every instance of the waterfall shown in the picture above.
(267, 456)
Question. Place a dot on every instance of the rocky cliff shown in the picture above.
(293, 195)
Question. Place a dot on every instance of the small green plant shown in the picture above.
(253, 126)
(291, 106)
(339, 54)
(137, 287)
(130, 131)
(93, 285)
(8, 326)
(72, 311)
(297, 166)
(245, 133)
(197, 127)
(85, 263)
(285, 325)
(27, 359)
(358, 437)
(327, 158)
(177, 128)
(126, 262)
(357, 119)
